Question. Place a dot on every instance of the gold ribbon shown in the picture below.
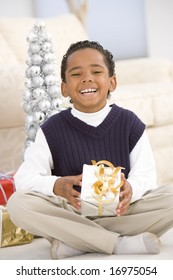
(105, 183)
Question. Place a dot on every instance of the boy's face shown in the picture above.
(87, 80)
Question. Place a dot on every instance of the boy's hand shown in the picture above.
(64, 187)
(125, 197)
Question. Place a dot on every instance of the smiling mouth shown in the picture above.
(88, 91)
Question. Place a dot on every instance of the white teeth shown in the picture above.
(88, 90)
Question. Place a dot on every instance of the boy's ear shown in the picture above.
(64, 90)
(113, 83)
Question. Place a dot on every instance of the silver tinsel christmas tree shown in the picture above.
(42, 96)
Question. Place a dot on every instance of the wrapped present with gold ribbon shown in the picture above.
(101, 183)
(10, 234)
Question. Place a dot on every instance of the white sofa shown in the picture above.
(145, 85)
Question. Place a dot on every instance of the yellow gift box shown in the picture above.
(101, 183)
(10, 234)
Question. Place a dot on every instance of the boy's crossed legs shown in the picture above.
(73, 234)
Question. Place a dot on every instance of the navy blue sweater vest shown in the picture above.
(73, 143)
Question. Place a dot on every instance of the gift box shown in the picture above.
(101, 183)
(7, 187)
(10, 234)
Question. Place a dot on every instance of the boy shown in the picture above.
(49, 180)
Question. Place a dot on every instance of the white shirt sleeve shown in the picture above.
(142, 175)
(35, 172)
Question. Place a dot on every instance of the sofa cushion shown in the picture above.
(144, 70)
(161, 142)
(162, 105)
(152, 102)
(7, 56)
(11, 95)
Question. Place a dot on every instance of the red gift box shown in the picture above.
(7, 187)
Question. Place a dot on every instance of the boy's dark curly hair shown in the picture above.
(108, 57)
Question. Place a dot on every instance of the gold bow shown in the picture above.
(105, 183)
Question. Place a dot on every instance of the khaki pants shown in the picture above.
(54, 218)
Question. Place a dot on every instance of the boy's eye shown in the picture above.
(75, 74)
(97, 72)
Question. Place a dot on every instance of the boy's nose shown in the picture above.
(87, 78)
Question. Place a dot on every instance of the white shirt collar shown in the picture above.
(93, 119)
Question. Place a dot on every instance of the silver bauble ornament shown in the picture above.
(32, 126)
(56, 103)
(54, 91)
(50, 80)
(34, 47)
(38, 93)
(48, 68)
(44, 105)
(29, 120)
(27, 107)
(47, 37)
(39, 117)
(36, 59)
(46, 47)
(42, 37)
(48, 57)
(34, 70)
(37, 81)
(39, 24)
(32, 37)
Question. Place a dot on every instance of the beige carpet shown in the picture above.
(39, 249)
